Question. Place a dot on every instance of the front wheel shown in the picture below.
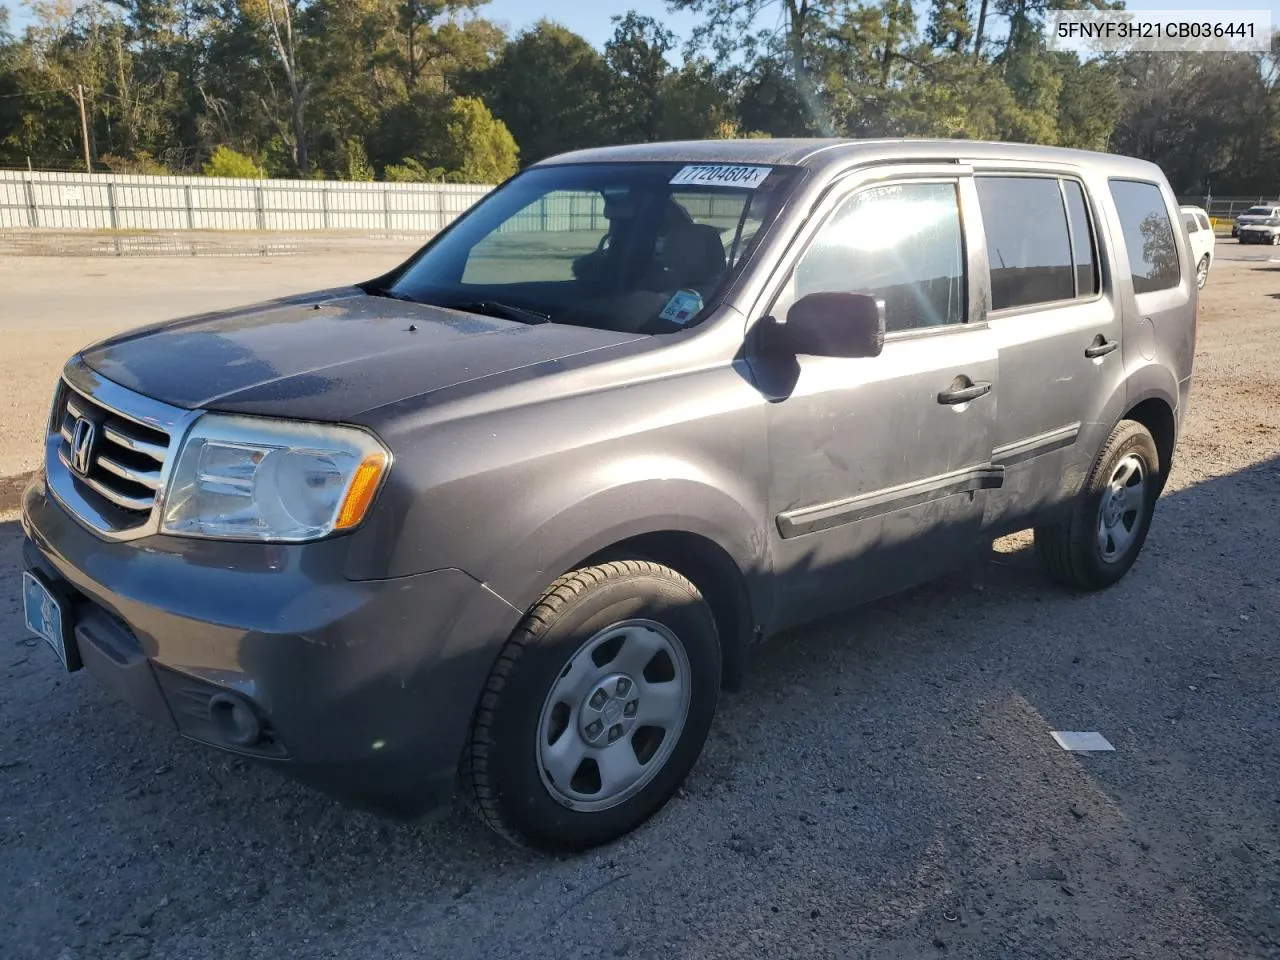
(597, 708)
(1100, 539)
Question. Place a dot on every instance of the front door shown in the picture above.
(880, 466)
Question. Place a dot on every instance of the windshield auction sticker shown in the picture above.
(722, 175)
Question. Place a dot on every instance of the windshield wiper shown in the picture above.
(504, 311)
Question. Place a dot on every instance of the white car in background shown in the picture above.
(1263, 217)
(1200, 230)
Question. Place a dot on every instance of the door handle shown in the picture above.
(964, 394)
(1100, 347)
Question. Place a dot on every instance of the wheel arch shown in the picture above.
(722, 583)
(703, 532)
(1156, 414)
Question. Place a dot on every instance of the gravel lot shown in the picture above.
(885, 787)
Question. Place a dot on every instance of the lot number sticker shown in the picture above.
(722, 175)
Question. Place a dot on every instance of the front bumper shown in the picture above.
(1247, 235)
(365, 689)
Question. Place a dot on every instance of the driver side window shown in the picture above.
(902, 244)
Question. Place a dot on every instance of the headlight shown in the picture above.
(245, 478)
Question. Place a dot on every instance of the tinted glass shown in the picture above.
(1190, 221)
(640, 248)
(1204, 221)
(1028, 248)
(1148, 235)
(901, 244)
(540, 242)
(1083, 244)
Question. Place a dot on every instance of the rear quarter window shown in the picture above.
(1148, 235)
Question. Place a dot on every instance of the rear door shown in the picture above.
(879, 470)
(1057, 328)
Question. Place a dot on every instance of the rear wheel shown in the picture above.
(1202, 272)
(597, 708)
(1100, 539)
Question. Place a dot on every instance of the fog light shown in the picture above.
(234, 720)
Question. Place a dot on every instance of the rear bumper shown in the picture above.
(363, 689)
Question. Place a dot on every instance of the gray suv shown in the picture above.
(512, 515)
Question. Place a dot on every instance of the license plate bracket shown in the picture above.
(47, 616)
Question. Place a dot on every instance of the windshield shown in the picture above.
(1259, 212)
(632, 247)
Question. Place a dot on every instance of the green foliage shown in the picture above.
(431, 90)
(548, 88)
(480, 147)
(226, 162)
(636, 56)
(141, 163)
(358, 165)
(411, 171)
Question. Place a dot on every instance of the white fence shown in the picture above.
(96, 201)
(106, 201)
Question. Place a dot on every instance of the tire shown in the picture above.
(627, 620)
(1086, 550)
(1202, 272)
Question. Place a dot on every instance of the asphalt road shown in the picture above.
(52, 306)
(885, 787)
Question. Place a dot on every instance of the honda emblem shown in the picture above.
(82, 446)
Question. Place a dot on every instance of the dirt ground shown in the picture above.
(884, 787)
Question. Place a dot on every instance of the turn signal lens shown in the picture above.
(360, 494)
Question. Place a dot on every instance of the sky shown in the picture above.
(591, 18)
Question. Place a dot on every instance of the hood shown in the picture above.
(328, 356)
(1254, 218)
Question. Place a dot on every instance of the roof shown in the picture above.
(815, 153)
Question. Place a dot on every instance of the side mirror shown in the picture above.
(834, 325)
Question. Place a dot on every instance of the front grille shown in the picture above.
(117, 463)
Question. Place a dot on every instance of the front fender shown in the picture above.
(575, 531)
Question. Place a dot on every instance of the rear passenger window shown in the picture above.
(901, 244)
(1204, 221)
(1148, 235)
(1083, 245)
(1190, 221)
(1028, 245)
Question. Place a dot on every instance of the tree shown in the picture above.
(358, 165)
(547, 88)
(429, 89)
(636, 56)
(949, 27)
(278, 19)
(694, 102)
(411, 171)
(480, 148)
(730, 27)
(226, 162)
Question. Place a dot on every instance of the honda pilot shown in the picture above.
(512, 516)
